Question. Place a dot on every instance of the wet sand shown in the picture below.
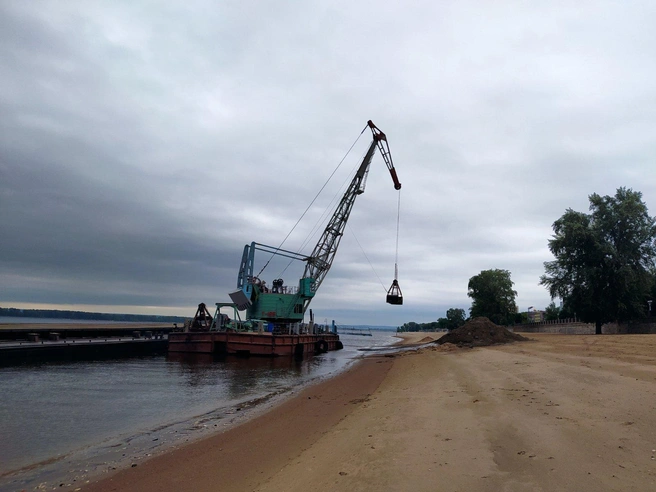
(557, 413)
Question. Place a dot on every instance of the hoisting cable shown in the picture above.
(365, 255)
(312, 202)
(330, 207)
(396, 257)
(394, 294)
(320, 223)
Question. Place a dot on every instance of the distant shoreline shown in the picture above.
(76, 324)
(51, 314)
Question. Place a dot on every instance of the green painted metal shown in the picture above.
(278, 306)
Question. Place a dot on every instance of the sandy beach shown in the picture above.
(561, 412)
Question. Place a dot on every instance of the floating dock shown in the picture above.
(12, 353)
(33, 343)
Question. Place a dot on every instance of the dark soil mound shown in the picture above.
(480, 332)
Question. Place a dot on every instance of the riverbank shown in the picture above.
(556, 413)
(69, 434)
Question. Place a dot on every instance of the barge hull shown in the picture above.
(246, 344)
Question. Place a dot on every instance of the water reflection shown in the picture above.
(239, 376)
(58, 407)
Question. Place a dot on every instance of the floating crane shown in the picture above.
(280, 304)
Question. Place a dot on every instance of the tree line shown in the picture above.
(604, 269)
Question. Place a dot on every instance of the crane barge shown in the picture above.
(274, 315)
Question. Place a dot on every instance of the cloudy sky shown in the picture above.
(143, 143)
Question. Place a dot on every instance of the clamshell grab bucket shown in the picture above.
(394, 295)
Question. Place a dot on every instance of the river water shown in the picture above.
(63, 422)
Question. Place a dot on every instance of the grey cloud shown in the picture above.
(142, 147)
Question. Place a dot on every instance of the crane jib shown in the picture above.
(381, 141)
(397, 185)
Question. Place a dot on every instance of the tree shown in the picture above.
(412, 326)
(493, 296)
(455, 317)
(552, 312)
(603, 260)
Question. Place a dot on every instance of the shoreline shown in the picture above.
(111, 469)
(78, 467)
(72, 469)
(261, 441)
(564, 412)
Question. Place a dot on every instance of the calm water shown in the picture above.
(58, 417)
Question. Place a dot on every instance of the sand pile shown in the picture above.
(479, 332)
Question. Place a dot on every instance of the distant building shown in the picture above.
(535, 316)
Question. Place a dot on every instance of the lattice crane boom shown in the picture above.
(282, 304)
(321, 259)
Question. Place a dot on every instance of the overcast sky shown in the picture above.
(143, 143)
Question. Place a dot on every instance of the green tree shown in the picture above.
(410, 326)
(455, 317)
(603, 260)
(552, 312)
(493, 296)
